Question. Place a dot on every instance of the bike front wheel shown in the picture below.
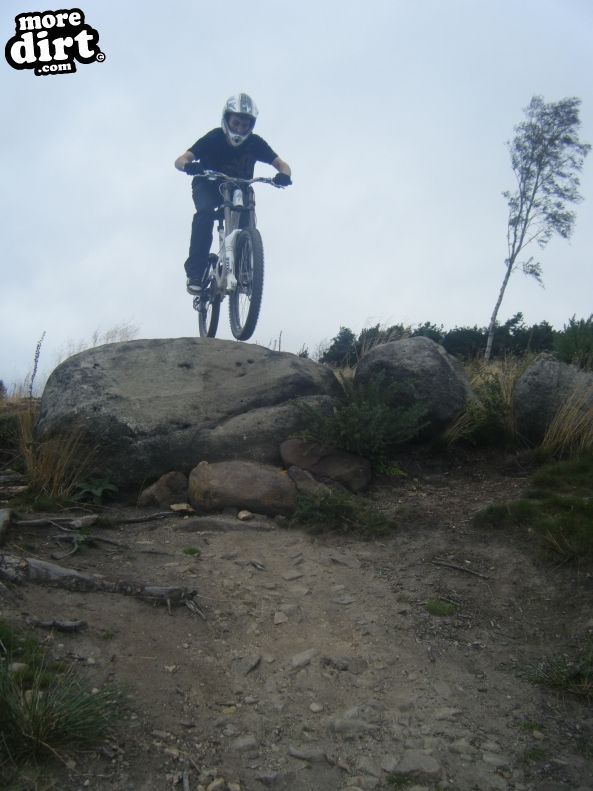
(245, 300)
(208, 303)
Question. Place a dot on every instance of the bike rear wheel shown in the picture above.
(208, 303)
(245, 300)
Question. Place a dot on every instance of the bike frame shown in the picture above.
(238, 199)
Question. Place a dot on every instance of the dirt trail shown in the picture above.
(317, 665)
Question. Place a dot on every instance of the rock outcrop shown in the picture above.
(151, 406)
(425, 374)
(542, 389)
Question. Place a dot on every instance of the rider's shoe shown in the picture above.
(194, 287)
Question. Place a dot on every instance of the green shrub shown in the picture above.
(440, 607)
(570, 433)
(571, 673)
(45, 707)
(558, 510)
(94, 490)
(489, 421)
(575, 343)
(340, 513)
(365, 422)
(573, 477)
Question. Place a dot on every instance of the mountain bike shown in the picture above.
(238, 269)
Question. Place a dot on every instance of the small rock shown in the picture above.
(446, 713)
(181, 508)
(306, 483)
(245, 516)
(345, 560)
(367, 766)
(496, 760)
(289, 576)
(312, 755)
(349, 728)
(299, 590)
(267, 778)
(244, 743)
(462, 747)
(250, 663)
(303, 659)
(389, 763)
(491, 746)
(419, 766)
(344, 599)
(316, 708)
(280, 617)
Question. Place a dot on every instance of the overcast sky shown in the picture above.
(393, 115)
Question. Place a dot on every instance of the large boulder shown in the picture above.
(242, 485)
(426, 374)
(542, 389)
(150, 406)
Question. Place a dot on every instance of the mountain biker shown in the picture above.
(233, 149)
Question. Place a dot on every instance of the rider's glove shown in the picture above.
(282, 180)
(193, 169)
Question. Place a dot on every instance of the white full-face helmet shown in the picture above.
(242, 111)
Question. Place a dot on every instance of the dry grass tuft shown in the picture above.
(570, 434)
(377, 336)
(490, 419)
(55, 466)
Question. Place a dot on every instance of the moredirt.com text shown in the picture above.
(50, 42)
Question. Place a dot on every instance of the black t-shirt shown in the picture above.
(216, 153)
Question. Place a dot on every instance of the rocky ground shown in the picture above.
(312, 662)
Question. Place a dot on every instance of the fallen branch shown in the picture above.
(91, 520)
(61, 522)
(21, 570)
(60, 624)
(148, 518)
(459, 568)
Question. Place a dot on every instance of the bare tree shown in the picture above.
(546, 156)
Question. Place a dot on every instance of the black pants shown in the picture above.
(206, 199)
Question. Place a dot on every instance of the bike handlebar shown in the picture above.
(215, 174)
